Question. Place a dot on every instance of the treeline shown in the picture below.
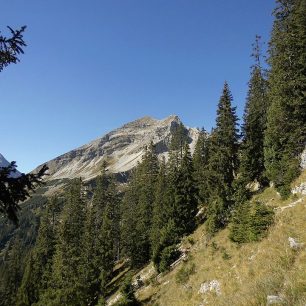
(77, 247)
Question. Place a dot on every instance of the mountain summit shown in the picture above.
(121, 148)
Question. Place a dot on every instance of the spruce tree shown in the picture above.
(223, 162)
(13, 272)
(38, 268)
(129, 215)
(251, 221)
(164, 248)
(160, 216)
(137, 209)
(200, 165)
(285, 136)
(179, 137)
(176, 207)
(67, 285)
(254, 125)
(185, 196)
(99, 253)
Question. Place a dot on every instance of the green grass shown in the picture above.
(247, 273)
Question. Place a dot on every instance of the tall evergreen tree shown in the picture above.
(138, 209)
(185, 196)
(68, 283)
(175, 207)
(129, 214)
(99, 238)
(223, 161)
(38, 268)
(160, 216)
(13, 273)
(179, 137)
(254, 125)
(200, 165)
(285, 136)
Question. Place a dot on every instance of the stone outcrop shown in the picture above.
(210, 286)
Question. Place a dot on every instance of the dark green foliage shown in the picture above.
(222, 163)
(137, 210)
(168, 237)
(148, 172)
(179, 137)
(27, 292)
(184, 273)
(251, 221)
(12, 271)
(101, 301)
(185, 192)
(168, 255)
(38, 268)
(11, 48)
(24, 237)
(100, 235)
(200, 165)
(242, 192)
(254, 125)
(175, 207)
(14, 190)
(127, 291)
(217, 213)
(67, 285)
(129, 213)
(160, 214)
(285, 136)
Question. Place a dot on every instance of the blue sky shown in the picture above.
(91, 66)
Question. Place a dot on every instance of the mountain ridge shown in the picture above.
(121, 148)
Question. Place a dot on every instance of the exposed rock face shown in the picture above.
(213, 285)
(294, 244)
(5, 163)
(122, 148)
(274, 299)
(299, 189)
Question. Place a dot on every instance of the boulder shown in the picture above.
(210, 286)
(274, 299)
(294, 244)
(299, 189)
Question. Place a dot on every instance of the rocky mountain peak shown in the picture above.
(121, 148)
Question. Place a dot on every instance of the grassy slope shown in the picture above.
(247, 273)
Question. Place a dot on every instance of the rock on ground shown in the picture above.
(213, 285)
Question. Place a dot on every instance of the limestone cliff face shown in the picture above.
(121, 148)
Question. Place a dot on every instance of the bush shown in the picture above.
(127, 291)
(168, 256)
(225, 255)
(182, 276)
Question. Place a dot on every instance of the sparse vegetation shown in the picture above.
(184, 273)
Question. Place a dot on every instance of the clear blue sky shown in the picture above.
(91, 66)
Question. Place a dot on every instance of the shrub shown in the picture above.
(182, 276)
(127, 292)
(168, 256)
